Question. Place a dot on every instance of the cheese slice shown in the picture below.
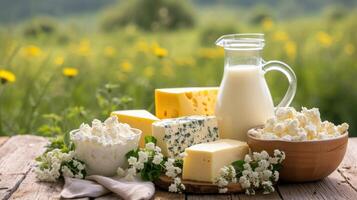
(175, 135)
(178, 102)
(202, 162)
(140, 119)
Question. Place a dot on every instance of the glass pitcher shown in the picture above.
(244, 100)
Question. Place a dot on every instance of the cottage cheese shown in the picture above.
(291, 125)
(103, 145)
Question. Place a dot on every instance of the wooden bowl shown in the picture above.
(307, 160)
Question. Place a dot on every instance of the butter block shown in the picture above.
(178, 102)
(175, 135)
(140, 119)
(203, 161)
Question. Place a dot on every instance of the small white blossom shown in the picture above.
(173, 188)
(247, 158)
(222, 190)
(132, 160)
(143, 156)
(157, 159)
(150, 146)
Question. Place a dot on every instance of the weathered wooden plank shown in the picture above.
(348, 168)
(332, 187)
(209, 197)
(259, 196)
(30, 188)
(16, 157)
(163, 195)
(3, 139)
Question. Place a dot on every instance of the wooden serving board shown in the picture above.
(197, 187)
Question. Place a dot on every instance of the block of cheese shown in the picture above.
(175, 135)
(202, 162)
(178, 102)
(140, 119)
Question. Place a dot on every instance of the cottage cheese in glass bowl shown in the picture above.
(103, 145)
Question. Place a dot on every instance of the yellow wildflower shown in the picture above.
(267, 23)
(324, 38)
(70, 72)
(59, 60)
(84, 48)
(31, 51)
(148, 71)
(290, 49)
(349, 49)
(126, 66)
(160, 52)
(7, 76)
(280, 36)
(109, 51)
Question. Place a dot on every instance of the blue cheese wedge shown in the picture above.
(177, 134)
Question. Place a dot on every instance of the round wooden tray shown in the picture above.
(197, 187)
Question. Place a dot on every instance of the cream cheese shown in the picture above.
(291, 125)
(103, 145)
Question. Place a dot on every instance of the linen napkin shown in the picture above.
(95, 186)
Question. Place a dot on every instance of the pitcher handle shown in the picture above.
(289, 73)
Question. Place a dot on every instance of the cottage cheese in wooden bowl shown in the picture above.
(313, 148)
(103, 145)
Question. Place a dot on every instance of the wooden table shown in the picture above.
(17, 180)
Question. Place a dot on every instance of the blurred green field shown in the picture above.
(120, 69)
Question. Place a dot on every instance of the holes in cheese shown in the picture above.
(140, 119)
(209, 158)
(178, 102)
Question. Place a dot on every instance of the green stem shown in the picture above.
(37, 103)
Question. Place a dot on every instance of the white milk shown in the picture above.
(243, 102)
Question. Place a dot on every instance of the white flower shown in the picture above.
(222, 190)
(247, 158)
(264, 155)
(222, 182)
(150, 146)
(139, 165)
(157, 159)
(157, 149)
(143, 156)
(247, 166)
(173, 188)
(132, 160)
(266, 174)
(131, 173)
(244, 182)
(120, 172)
(256, 156)
(276, 176)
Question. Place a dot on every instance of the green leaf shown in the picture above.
(238, 165)
(67, 139)
(178, 163)
(132, 153)
(149, 139)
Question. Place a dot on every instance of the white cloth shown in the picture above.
(96, 186)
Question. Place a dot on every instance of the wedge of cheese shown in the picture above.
(140, 119)
(203, 161)
(177, 102)
(175, 135)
